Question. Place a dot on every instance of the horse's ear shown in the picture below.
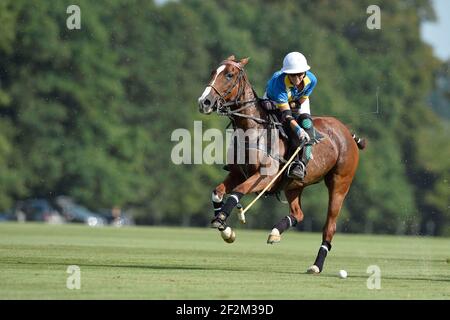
(244, 61)
(231, 58)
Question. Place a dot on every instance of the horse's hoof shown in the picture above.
(273, 239)
(313, 269)
(228, 235)
(219, 222)
(217, 225)
(274, 236)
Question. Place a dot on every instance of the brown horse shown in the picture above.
(335, 158)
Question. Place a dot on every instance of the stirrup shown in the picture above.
(294, 165)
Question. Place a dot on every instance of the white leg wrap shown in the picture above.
(235, 197)
(275, 232)
(290, 221)
(216, 198)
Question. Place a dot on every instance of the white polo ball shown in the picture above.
(228, 235)
(342, 274)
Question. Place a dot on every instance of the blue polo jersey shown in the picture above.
(280, 89)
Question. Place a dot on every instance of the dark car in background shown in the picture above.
(39, 210)
(74, 212)
(7, 216)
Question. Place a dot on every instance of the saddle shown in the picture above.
(275, 116)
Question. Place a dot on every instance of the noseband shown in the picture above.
(235, 83)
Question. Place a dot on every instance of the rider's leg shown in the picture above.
(306, 122)
(304, 119)
(294, 171)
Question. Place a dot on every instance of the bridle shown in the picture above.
(223, 108)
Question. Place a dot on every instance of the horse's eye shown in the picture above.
(229, 76)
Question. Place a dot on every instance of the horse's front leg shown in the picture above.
(255, 183)
(230, 182)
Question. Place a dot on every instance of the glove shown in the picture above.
(302, 134)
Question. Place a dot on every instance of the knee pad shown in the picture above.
(305, 121)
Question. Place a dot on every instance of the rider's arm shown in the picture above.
(303, 101)
(286, 116)
(282, 101)
(304, 106)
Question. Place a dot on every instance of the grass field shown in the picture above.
(177, 263)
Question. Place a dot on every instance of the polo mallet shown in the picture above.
(241, 213)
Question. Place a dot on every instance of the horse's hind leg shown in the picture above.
(295, 216)
(338, 186)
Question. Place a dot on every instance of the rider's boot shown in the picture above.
(296, 169)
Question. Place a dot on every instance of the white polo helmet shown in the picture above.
(295, 62)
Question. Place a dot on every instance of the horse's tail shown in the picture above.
(360, 142)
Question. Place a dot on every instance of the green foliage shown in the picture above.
(89, 113)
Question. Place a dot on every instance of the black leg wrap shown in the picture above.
(302, 117)
(286, 223)
(322, 254)
(217, 205)
(232, 201)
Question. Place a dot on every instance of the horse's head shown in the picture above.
(224, 86)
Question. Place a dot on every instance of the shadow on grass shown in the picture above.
(390, 259)
(210, 268)
(128, 266)
(382, 277)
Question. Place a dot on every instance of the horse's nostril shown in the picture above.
(207, 102)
